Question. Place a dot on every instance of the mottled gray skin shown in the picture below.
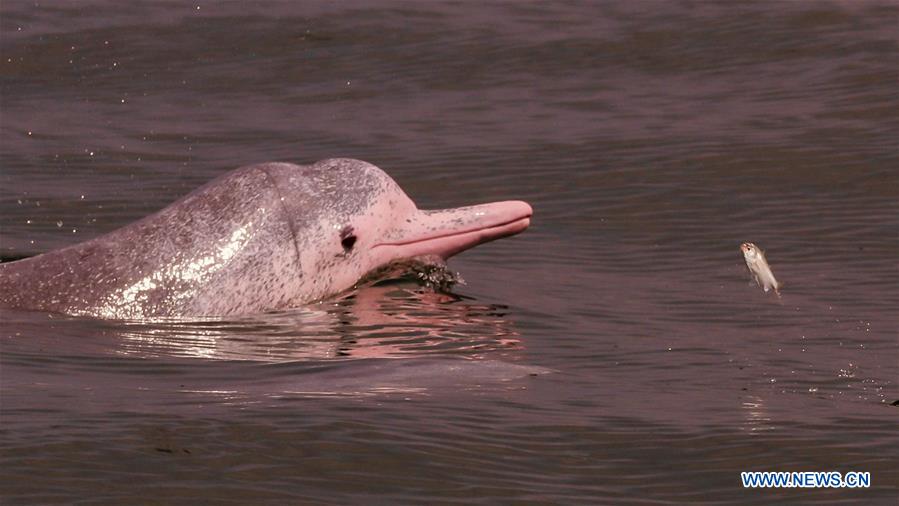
(262, 237)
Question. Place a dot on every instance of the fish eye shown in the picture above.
(347, 238)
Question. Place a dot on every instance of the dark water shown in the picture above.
(613, 353)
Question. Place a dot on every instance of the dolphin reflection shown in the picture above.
(387, 320)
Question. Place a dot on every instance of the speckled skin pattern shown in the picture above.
(262, 237)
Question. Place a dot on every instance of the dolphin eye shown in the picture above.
(347, 238)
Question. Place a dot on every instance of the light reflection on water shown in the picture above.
(651, 138)
(381, 321)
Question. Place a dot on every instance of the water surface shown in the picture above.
(616, 352)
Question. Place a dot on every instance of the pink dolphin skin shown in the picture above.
(451, 231)
(259, 238)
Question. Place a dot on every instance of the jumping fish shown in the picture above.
(759, 268)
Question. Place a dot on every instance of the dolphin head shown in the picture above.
(349, 218)
(259, 238)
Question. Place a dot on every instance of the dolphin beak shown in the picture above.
(450, 231)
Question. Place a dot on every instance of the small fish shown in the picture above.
(758, 267)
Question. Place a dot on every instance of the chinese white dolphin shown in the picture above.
(260, 238)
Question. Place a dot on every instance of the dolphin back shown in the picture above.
(225, 248)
